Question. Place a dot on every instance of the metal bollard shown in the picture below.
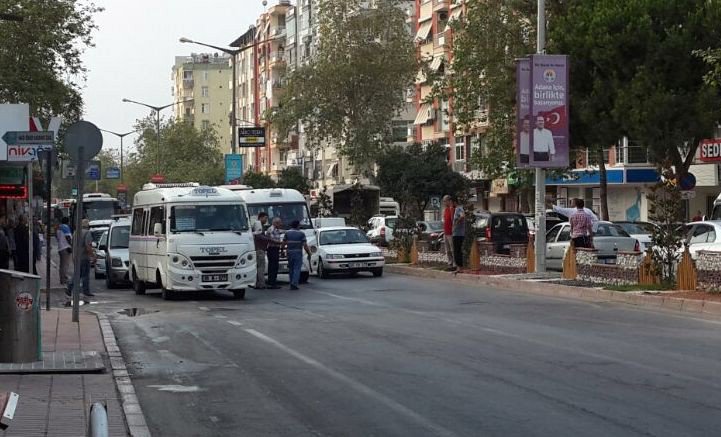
(98, 426)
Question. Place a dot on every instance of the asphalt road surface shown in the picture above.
(399, 356)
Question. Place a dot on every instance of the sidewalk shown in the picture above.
(58, 405)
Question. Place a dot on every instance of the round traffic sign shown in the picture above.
(121, 188)
(83, 141)
(688, 182)
(158, 179)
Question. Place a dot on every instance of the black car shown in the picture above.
(501, 228)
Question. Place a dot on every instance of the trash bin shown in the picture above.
(19, 317)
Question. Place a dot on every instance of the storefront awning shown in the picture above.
(436, 63)
(455, 16)
(424, 30)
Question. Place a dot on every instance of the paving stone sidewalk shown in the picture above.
(58, 405)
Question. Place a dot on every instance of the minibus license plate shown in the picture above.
(215, 278)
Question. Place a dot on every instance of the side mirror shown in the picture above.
(158, 229)
(94, 244)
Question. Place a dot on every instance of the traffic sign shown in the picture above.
(112, 173)
(435, 202)
(92, 170)
(121, 188)
(686, 195)
(687, 182)
(157, 179)
(19, 138)
(83, 141)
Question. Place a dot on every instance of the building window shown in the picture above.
(204, 91)
(460, 150)
(205, 76)
(187, 75)
(204, 108)
(206, 124)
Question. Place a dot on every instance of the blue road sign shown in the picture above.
(112, 173)
(233, 168)
(92, 172)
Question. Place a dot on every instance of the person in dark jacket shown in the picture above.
(5, 252)
(22, 247)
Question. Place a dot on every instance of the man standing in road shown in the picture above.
(261, 245)
(87, 257)
(448, 230)
(65, 239)
(275, 237)
(544, 148)
(581, 227)
(459, 232)
(296, 240)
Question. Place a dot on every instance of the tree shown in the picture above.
(185, 154)
(41, 56)
(635, 71)
(293, 178)
(258, 180)
(666, 210)
(413, 175)
(350, 91)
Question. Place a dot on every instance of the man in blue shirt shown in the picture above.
(296, 241)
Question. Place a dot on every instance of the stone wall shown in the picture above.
(498, 264)
(624, 272)
(708, 271)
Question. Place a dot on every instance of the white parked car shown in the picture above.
(608, 239)
(344, 249)
(642, 231)
(380, 229)
(99, 248)
(117, 257)
(703, 236)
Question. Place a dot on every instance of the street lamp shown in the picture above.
(233, 57)
(121, 136)
(157, 110)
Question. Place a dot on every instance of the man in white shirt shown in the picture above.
(544, 149)
(524, 140)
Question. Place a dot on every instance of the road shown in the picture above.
(399, 356)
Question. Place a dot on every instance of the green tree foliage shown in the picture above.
(293, 178)
(258, 180)
(666, 210)
(634, 71)
(351, 90)
(185, 154)
(41, 56)
(413, 175)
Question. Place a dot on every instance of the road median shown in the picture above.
(563, 291)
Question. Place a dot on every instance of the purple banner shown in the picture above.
(549, 140)
(523, 107)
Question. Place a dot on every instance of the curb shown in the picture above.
(565, 291)
(132, 410)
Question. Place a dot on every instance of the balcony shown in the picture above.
(440, 5)
(459, 166)
(188, 83)
(439, 41)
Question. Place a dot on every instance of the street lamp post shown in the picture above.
(157, 110)
(234, 59)
(122, 166)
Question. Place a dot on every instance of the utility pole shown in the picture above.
(540, 172)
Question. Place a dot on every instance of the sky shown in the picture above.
(135, 48)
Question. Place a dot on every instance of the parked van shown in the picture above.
(289, 205)
(388, 206)
(186, 237)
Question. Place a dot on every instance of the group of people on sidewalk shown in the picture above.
(454, 231)
(269, 243)
(15, 244)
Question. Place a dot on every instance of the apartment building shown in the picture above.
(247, 91)
(434, 120)
(202, 94)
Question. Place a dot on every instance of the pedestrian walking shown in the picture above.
(10, 232)
(4, 246)
(86, 257)
(297, 242)
(459, 232)
(581, 226)
(275, 244)
(261, 244)
(64, 236)
(448, 230)
(22, 247)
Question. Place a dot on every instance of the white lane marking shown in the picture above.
(360, 387)
(234, 323)
(546, 344)
(204, 308)
(218, 316)
(161, 339)
(174, 388)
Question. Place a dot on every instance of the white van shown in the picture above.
(388, 206)
(186, 237)
(289, 205)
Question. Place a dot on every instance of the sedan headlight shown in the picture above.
(334, 256)
(375, 254)
(181, 262)
(117, 262)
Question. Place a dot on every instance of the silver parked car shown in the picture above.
(608, 239)
(117, 257)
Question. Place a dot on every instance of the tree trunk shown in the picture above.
(603, 180)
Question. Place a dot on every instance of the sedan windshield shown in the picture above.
(197, 218)
(120, 237)
(342, 236)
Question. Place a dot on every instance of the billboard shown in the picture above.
(549, 117)
(233, 168)
(251, 137)
(523, 107)
(710, 150)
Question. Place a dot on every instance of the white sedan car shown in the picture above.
(703, 236)
(344, 249)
